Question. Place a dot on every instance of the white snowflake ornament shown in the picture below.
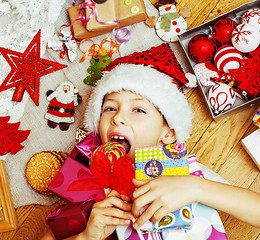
(245, 38)
(170, 24)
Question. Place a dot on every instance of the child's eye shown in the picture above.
(139, 110)
(109, 109)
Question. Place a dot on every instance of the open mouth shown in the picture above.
(122, 140)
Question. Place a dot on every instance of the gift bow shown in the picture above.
(117, 177)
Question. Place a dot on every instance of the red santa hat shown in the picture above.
(154, 74)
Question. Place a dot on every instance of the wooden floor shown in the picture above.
(216, 145)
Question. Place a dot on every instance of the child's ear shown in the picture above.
(169, 137)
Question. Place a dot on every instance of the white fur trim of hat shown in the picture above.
(146, 81)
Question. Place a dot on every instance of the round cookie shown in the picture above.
(40, 170)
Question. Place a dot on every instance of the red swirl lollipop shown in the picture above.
(112, 150)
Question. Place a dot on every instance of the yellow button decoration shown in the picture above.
(128, 2)
(135, 9)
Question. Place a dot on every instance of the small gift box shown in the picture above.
(71, 171)
(155, 161)
(69, 219)
(84, 149)
(126, 14)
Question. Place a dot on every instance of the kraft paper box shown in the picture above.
(172, 159)
(69, 219)
(123, 14)
(106, 12)
(71, 171)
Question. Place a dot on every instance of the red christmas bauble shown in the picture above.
(222, 30)
(201, 48)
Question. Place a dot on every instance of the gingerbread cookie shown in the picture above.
(41, 169)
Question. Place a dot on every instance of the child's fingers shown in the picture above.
(144, 188)
(117, 213)
(146, 215)
(116, 194)
(144, 197)
(113, 201)
(116, 221)
(139, 183)
(159, 214)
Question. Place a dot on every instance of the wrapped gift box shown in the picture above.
(71, 171)
(106, 13)
(84, 149)
(204, 28)
(206, 223)
(256, 118)
(123, 14)
(155, 161)
(251, 145)
(69, 219)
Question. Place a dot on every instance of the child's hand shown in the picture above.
(165, 194)
(106, 215)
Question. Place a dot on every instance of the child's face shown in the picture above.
(132, 118)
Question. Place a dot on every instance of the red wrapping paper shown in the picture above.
(69, 219)
(71, 171)
(84, 149)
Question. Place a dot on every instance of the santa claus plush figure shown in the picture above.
(62, 102)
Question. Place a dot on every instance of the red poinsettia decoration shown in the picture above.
(26, 70)
(117, 176)
(10, 136)
(247, 77)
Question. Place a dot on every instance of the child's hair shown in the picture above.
(147, 82)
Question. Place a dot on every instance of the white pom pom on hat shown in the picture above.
(150, 83)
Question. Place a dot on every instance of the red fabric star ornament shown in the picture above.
(26, 70)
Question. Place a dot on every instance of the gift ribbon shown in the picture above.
(92, 6)
(82, 14)
(119, 177)
(122, 35)
(97, 50)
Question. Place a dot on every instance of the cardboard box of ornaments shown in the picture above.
(205, 87)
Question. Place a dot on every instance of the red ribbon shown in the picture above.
(117, 177)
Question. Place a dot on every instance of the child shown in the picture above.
(139, 106)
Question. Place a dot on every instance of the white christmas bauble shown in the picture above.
(221, 98)
(226, 58)
(252, 17)
(245, 38)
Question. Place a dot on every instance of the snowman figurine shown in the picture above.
(170, 24)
